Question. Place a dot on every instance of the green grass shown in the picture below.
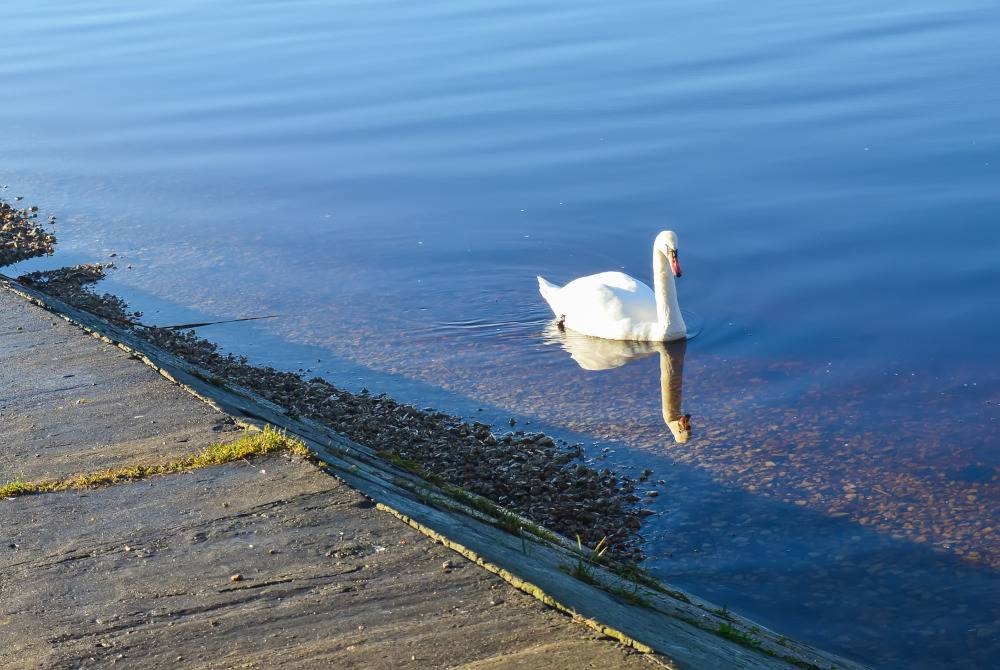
(249, 445)
(750, 640)
(412, 467)
(211, 380)
(509, 522)
(724, 613)
(636, 574)
(731, 632)
(631, 595)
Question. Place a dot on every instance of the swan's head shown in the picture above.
(666, 244)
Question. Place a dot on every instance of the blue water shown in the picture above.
(389, 177)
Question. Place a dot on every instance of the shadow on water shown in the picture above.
(850, 589)
(826, 580)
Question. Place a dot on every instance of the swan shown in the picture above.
(615, 306)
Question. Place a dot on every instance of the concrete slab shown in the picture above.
(140, 574)
(69, 402)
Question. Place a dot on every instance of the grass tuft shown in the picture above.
(247, 446)
(587, 561)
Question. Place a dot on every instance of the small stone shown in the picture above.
(236, 578)
(447, 565)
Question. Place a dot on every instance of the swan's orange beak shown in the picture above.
(675, 264)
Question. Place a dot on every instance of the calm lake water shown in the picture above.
(389, 177)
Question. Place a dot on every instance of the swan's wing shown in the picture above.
(609, 304)
(612, 279)
(615, 294)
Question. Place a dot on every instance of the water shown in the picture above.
(389, 177)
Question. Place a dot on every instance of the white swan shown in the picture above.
(615, 306)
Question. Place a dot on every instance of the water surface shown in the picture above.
(389, 177)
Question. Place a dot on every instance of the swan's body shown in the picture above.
(615, 306)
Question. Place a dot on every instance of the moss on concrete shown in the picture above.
(250, 445)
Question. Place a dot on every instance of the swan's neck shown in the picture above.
(668, 312)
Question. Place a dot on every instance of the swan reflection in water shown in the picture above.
(594, 353)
